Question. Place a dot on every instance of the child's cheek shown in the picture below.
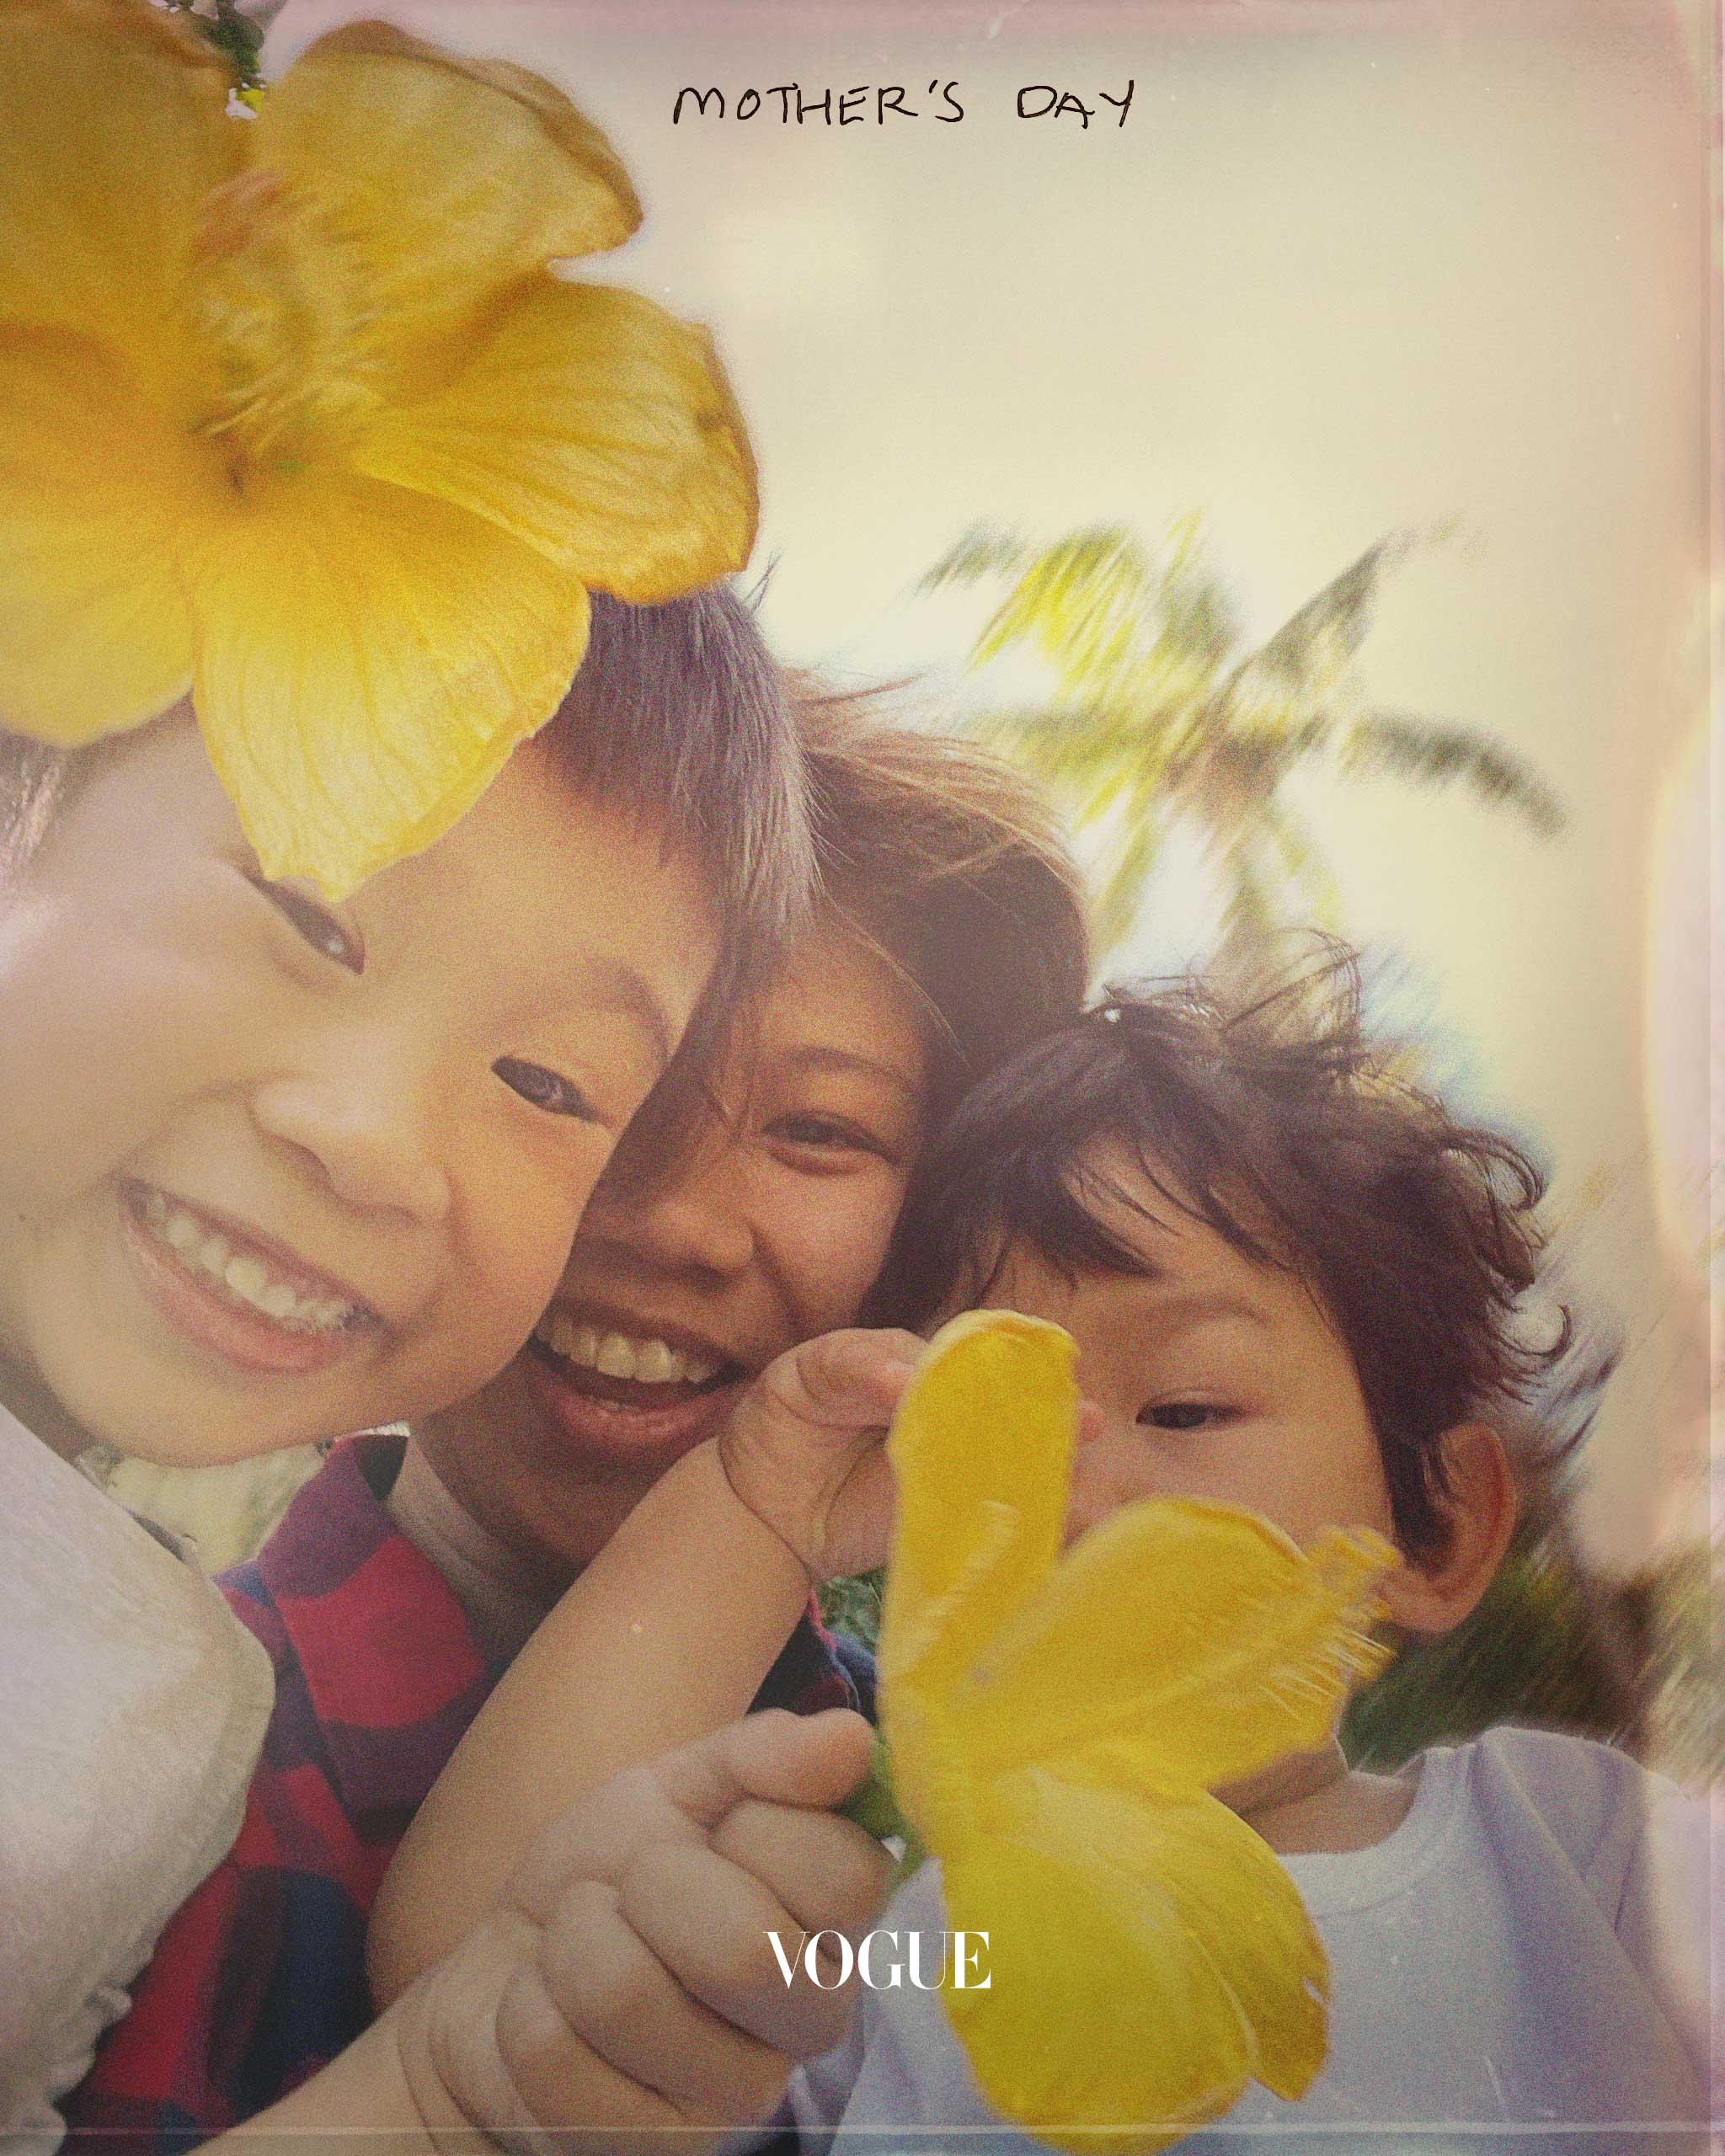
(523, 1206)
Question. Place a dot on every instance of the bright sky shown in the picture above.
(1344, 268)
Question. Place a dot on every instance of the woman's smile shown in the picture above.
(619, 1384)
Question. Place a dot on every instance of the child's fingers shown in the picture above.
(812, 1760)
(713, 1925)
(827, 1872)
(595, 1837)
(614, 1993)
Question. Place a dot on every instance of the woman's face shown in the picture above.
(673, 1298)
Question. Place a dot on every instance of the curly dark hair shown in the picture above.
(1282, 1127)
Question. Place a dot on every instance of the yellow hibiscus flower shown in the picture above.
(1055, 1723)
(295, 416)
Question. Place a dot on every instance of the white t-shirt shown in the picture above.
(1528, 1948)
(133, 1705)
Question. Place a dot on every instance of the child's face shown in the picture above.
(272, 1169)
(1217, 1377)
(771, 1230)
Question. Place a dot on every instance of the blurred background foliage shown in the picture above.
(1162, 714)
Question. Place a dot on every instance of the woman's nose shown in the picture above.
(697, 1220)
(370, 1144)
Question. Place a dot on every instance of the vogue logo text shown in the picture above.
(880, 1964)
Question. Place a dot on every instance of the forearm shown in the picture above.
(615, 1674)
(365, 2090)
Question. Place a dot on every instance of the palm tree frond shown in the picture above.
(1307, 659)
(1437, 752)
(1126, 880)
(1301, 863)
(982, 551)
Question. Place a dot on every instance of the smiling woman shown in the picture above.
(951, 933)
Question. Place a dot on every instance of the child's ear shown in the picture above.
(1434, 1594)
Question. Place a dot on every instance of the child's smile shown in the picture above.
(272, 1169)
(242, 1295)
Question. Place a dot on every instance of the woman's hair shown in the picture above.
(950, 866)
(1282, 1128)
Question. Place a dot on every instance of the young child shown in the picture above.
(272, 1169)
(1293, 1279)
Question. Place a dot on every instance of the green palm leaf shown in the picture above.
(1437, 752)
(1155, 720)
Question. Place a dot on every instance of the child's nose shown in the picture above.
(371, 1147)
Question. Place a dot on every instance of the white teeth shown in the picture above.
(244, 1275)
(616, 1358)
(655, 1365)
(648, 1361)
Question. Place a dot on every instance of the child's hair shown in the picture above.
(950, 865)
(1281, 1127)
(678, 713)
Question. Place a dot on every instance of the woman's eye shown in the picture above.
(316, 924)
(824, 1134)
(1180, 1415)
(545, 1089)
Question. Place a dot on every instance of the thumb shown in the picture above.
(811, 1760)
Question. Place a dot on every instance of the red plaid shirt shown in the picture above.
(259, 1979)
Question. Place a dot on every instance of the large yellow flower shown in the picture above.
(1055, 1725)
(295, 416)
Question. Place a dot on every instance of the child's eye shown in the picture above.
(318, 926)
(545, 1089)
(1181, 1414)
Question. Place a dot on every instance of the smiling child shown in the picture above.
(408, 1573)
(271, 1167)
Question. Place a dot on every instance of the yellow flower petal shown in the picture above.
(112, 133)
(594, 426)
(451, 178)
(981, 1447)
(1228, 1647)
(368, 657)
(1148, 1957)
(95, 630)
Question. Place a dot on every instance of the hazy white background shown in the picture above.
(1346, 267)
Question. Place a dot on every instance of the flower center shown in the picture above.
(279, 303)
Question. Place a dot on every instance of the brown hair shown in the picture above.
(951, 866)
(678, 712)
(1281, 1127)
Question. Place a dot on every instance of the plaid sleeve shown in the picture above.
(259, 1978)
(811, 1673)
